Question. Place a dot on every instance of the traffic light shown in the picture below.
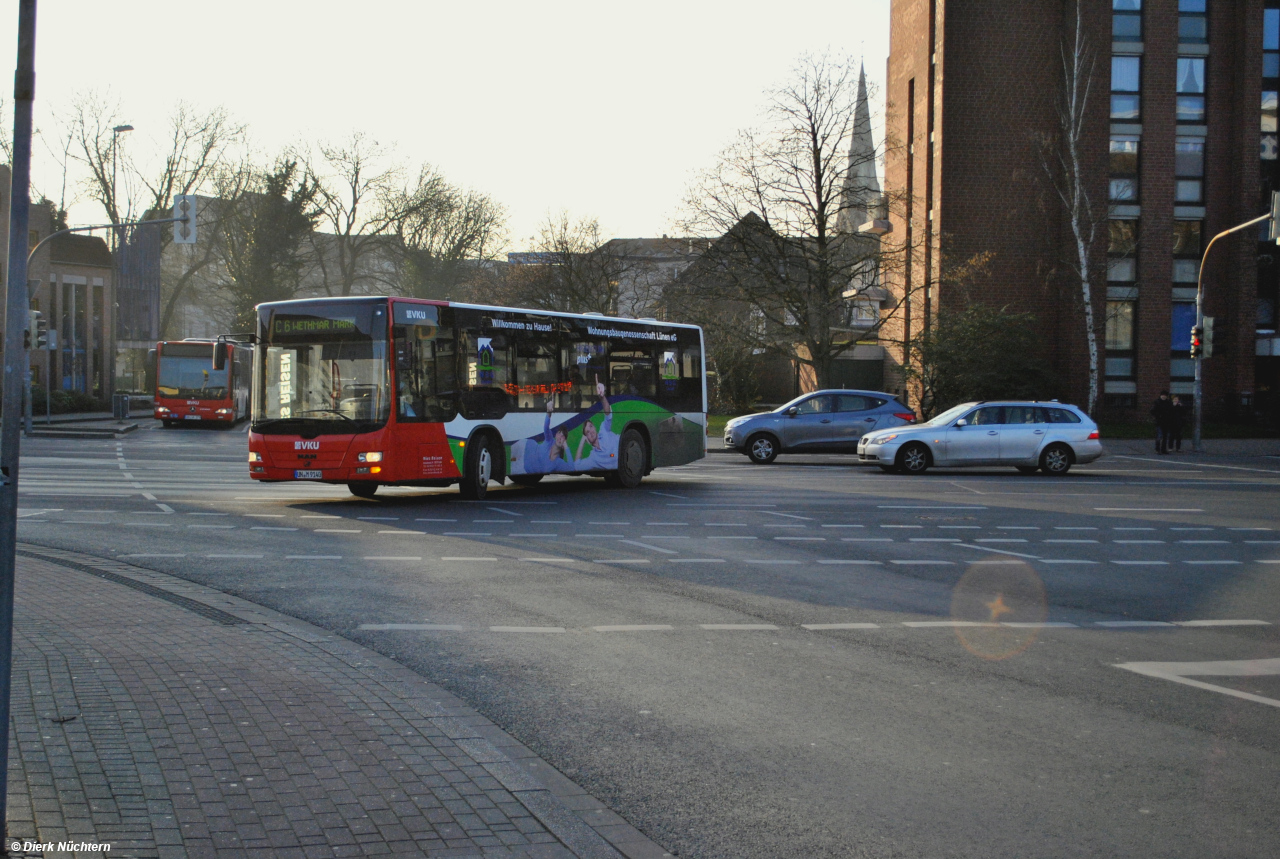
(37, 334)
(1197, 342)
(184, 231)
(1207, 346)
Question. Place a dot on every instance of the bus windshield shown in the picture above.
(186, 371)
(323, 368)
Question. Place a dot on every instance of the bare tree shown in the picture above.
(358, 196)
(1062, 160)
(570, 269)
(446, 238)
(776, 199)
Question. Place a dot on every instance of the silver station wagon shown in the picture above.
(1030, 436)
(821, 422)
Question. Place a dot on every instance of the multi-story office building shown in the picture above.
(1177, 143)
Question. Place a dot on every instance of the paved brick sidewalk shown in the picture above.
(171, 720)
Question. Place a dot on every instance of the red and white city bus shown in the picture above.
(189, 388)
(373, 392)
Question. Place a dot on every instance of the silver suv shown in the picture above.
(1029, 436)
(820, 422)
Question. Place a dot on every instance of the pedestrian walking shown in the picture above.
(1177, 420)
(1162, 413)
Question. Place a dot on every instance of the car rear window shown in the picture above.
(1062, 416)
(857, 403)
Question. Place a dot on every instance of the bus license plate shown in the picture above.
(191, 418)
(306, 475)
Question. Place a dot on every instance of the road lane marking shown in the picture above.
(270, 528)
(1069, 541)
(1048, 624)
(1000, 540)
(653, 627)
(924, 624)
(934, 563)
(151, 556)
(844, 526)
(338, 531)
(534, 536)
(696, 560)
(1137, 542)
(506, 512)
(935, 540)
(1222, 623)
(1141, 563)
(1203, 542)
(464, 558)
(468, 534)
(866, 539)
(1181, 672)
(1064, 561)
(546, 559)
(843, 561)
(313, 557)
(526, 629)
(233, 556)
(816, 626)
(787, 515)
(999, 551)
(647, 546)
(1204, 563)
(435, 520)
(1127, 624)
(736, 626)
(766, 561)
(669, 524)
(620, 561)
(802, 539)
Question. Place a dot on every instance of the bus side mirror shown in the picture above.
(219, 356)
(151, 356)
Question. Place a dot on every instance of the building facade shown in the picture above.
(1176, 143)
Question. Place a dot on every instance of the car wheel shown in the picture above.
(362, 490)
(913, 458)
(762, 449)
(1056, 460)
(526, 479)
(477, 470)
(1027, 469)
(633, 455)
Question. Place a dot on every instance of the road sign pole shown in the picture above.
(15, 322)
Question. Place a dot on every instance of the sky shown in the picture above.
(604, 110)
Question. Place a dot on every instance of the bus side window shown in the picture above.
(537, 372)
(581, 363)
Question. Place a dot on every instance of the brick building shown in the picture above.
(1177, 107)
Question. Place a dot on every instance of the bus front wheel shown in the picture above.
(477, 469)
(362, 490)
(632, 456)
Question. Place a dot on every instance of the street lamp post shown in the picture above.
(1199, 393)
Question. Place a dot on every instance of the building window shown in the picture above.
(1126, 75)
(1122, 251)
(1126, 20)
(1186, 251)
(1193, 21)
(1189, 169)
(1271, 43)
(1119, 339)
(1181, 364)
(1191, 89)
(1124, 169)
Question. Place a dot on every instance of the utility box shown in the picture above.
(120, 406)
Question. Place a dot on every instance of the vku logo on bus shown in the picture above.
(306, 445)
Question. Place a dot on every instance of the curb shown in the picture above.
(559, 804)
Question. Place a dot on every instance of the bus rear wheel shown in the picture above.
(362, 490)
(632, 457)
(477, 469)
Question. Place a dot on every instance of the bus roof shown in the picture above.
(356, 299)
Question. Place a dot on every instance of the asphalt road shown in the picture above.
(805, 659)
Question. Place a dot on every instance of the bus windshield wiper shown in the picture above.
(327, 412)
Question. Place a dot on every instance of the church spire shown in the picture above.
(861, 187)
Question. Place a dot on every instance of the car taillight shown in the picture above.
(909, 417)
(1093, 435)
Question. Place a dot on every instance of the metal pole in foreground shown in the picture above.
(15, 322)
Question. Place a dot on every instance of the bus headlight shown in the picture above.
(226, 413)
(371, 456)
(161, 410)
(254, 456)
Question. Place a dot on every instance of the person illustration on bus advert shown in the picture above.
(550, 454)
(603, 441)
